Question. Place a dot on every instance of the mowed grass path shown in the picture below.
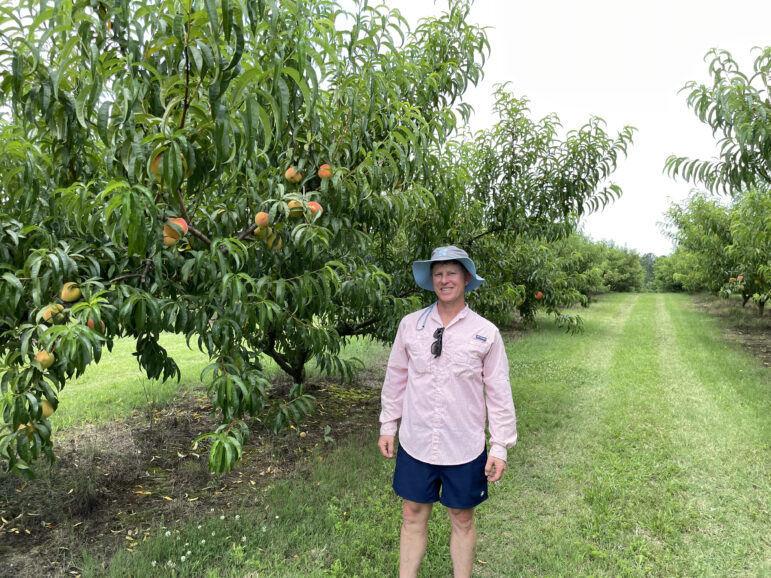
(644, 451)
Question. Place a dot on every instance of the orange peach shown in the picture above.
(262, 219)
(45, 359)
(325, 171)
(315, 208)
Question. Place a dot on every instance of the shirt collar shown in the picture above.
(461, 315)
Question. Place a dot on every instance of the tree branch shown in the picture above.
(356, 329)
(142, 276)
(280, 359)
(246, 232)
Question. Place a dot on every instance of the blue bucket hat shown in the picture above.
(421, 270)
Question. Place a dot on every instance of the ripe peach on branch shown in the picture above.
(295, 209)
(70, 292)
(293, 175)
(91, 324)
(53, 313)
(325, 171)
(262, 219)
(155, 166)
(315, 208)
(45, 359)
(274, 241)
(173, 230)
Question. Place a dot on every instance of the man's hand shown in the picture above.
(494, 468)
(386, 445)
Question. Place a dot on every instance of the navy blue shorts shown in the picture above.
(463, 486)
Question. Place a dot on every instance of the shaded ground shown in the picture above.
(112, 484)
(741, 324)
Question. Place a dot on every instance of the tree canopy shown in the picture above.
(258, 176)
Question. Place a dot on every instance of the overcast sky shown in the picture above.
(624, 61)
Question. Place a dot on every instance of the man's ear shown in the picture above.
(468, 279)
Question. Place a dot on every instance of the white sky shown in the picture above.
(624, 61)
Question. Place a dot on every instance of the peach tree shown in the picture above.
(516, 189)
(728, 244)
(736, 106)
(227, 170)
(750, 224)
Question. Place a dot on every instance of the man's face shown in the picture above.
(450, 280)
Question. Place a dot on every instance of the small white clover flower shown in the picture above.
(212, 509)
(199, 526)
(212, 533)
(238, 516)
(263, 529)
(222, 517)
(153, 563)
(276, 517)
(187, 553)
(168, 533)
(243, 538)
(182, 559)
(203, 541)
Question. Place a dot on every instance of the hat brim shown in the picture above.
(421, 270)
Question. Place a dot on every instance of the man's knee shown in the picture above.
(415, 513)
(462, 520)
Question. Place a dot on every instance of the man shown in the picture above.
(447, 369)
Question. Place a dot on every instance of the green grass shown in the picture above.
(644, 451)
(116, 387)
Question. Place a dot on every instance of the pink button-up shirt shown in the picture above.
(442, 401)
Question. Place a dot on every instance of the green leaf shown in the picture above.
(211, 12)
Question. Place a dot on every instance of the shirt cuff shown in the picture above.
(389, 428)
(499, 452)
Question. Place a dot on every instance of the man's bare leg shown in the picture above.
(414, 537)
(463, 541)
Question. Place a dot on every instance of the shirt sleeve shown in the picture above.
(501, 416)
(394, 385)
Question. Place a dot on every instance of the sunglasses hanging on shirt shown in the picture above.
(436, 346)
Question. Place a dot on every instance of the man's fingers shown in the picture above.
(494, 469)
(386, 445)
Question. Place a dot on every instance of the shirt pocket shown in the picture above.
(419, 352)
(470, 357)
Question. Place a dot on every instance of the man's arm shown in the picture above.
(392, 395)
(501, 416)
